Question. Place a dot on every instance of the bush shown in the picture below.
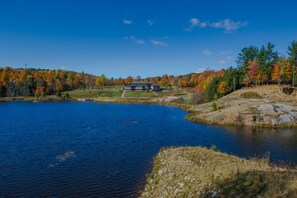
(67, 95)
(198, 98)
(250, 95)
(213, 147)
(214, 106)
(221, 107)
(255, 184)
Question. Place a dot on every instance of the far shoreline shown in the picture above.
(188, 108)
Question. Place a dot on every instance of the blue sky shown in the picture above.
(133, 37)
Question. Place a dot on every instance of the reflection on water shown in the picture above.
(105, 150)
(61, 158)
(280, 144)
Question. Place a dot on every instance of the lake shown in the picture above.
(84, 149)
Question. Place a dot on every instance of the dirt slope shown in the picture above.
(266, 106)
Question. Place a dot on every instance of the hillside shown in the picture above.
(200, 172)
(262, 106)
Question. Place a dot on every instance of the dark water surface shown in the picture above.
(78, 149)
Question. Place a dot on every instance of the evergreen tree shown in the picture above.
(292, 52)
(246, 55)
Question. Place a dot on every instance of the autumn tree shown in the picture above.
(287, 72)
(253, 73)
(164, 80)
(100, 81)
(223, 87)
(245, 57)
(276, 73)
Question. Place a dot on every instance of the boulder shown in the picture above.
(285, 119)
(283, 108)
(266, 107)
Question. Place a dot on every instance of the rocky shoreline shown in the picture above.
(268, 106)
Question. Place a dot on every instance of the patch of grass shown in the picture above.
(255, 184)
(93, 93)
(137, 94)
(250, 95)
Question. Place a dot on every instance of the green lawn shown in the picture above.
(116, 91)
(93, 93)
(137, 94)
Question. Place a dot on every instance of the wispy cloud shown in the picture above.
(203, 69)
(227, 52)
(159, 43)
(129, 38)
(221, 62)
(127, 21)
(227, 24)
(150, 22)
(140, 42)
(134, 39)
(206, 52)
(229, 57)
(194, 22)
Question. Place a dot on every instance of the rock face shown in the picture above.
(283, 114)
(271, 109)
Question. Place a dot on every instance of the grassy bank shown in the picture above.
(31, 98)
(201, 172)
(94, 93)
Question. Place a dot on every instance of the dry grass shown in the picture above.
(201, 172)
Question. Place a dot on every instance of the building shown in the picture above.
(142, 86)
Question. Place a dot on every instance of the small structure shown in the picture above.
(142, 86)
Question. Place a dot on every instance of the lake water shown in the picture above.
(77, 149)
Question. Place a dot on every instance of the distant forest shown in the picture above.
(255, 66)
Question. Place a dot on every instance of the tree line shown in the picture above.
(255, 66)
(37, 82)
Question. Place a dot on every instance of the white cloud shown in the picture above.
(129, 38)
(140, 42)
(221, 62)
(206, 52)
(127, 22)
(227, 24)
(194, 22)
(159, 43)
(227, 52)
(200, 70)
(229, 57)
(150, 22)
(203, 24)
(134, 39)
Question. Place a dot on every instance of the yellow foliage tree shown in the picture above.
(223, 86)
(276, 73)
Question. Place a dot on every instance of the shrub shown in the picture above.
(250, 95)
(214, 106)
(198, 98)
(213, 147)
(255, 184)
